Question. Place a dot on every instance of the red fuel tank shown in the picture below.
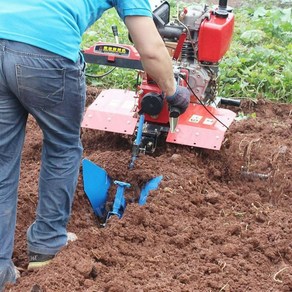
(215, 37)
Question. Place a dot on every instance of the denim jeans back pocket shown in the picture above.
(40, 87)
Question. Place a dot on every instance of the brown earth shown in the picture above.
(219, 221)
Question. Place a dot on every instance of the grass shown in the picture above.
(258, 63)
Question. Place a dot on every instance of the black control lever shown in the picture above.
(115, 32)
(222, 9)
(223, 4)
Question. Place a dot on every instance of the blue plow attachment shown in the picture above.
(119, 202)
(97, 183)
(151, 185)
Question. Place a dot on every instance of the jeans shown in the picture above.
(52, 89)
(7, 275)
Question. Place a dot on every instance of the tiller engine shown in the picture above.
(197, 40)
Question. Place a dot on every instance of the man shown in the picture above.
(42, 74)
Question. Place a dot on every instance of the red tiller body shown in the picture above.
(149, 86)
(196, 55)
(145, 87)
(123, 56)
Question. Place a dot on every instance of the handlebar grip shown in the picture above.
(115, 30)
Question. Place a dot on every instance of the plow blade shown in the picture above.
(96, 184)
(149, 186)
(114, 110)
(198, 128)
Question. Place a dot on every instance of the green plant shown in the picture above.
(259, 60)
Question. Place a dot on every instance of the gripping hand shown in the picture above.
(180, 99)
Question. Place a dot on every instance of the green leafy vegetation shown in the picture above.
(242, 116)
(258, 63)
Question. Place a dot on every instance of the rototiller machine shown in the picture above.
(197, 40)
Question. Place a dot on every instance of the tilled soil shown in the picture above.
(219, 221)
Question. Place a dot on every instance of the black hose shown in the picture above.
(101, 75)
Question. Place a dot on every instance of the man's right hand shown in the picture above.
(180, 99)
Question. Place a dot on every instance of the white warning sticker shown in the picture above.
(209, 121)
(195, 119)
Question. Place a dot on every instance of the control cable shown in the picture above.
(183, 77)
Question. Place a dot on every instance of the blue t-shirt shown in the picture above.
(58, 25)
